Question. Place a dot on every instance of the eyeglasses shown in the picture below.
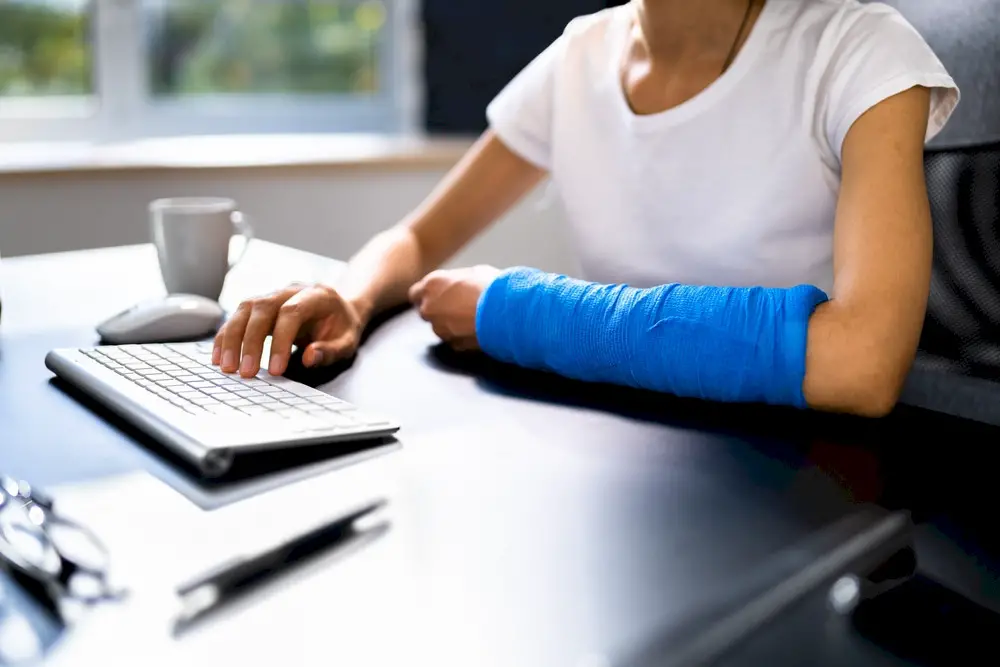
(66, 561)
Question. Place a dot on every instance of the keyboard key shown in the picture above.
(157, 377)
(263, 400)
(254, 410)
(131, 376)
(295, 400)
(220, 409)
(326, 399)
(301, 390)
(170, 383)
(205, 400)
(190, 394)
(146, 371)
(214, 390)
(236, 401)
(187, 378)
(201, 384)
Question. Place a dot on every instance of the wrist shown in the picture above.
(363, 308)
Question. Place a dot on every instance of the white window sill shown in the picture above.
(233, 152)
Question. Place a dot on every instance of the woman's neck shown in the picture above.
(672, 29)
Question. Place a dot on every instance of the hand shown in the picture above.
(448, 299)
(314, 316)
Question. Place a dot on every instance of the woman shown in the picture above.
(744, 182)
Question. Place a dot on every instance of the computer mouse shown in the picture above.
(177, 317)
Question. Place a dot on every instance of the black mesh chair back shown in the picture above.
(958, 366)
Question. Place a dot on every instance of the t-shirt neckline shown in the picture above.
(709, 96)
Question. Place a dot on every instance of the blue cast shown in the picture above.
(716, 343)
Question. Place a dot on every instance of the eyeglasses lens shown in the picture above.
(78, 546)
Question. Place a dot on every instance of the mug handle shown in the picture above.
(244, 229)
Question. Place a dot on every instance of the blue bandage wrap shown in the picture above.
(731, 344)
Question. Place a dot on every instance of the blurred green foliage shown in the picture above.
(264, 46)
(201, 46)
(44, 49)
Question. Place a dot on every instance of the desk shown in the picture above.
(537, 521)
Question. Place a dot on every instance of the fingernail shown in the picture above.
(317, 358)
(228, 359)
(247, 366)
(275, 366)
(216, 354)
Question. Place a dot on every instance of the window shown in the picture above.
(45, 49)
(126, 68)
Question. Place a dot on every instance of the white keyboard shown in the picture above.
(174, 393)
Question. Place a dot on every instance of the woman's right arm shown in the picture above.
(485, 183)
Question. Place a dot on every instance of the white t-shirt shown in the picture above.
(737, 186)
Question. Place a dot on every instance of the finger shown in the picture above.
(292, 316)
(425, 309)
(232, 338)
(324, 353)
(416, 292)
(442, 331)
(217, 345)
(287, 326)
(258, 327)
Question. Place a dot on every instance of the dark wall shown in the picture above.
(472, 49)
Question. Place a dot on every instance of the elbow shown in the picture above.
(874, 400)
(861, 395)
(865, 382)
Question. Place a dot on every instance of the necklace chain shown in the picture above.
(736, 42)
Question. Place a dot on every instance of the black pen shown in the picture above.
(209, 588)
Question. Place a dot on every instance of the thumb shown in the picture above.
(326, 352)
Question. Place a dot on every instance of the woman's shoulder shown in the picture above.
(596, 24)
(830, 24)
(851, 55)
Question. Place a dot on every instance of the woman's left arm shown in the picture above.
(862, 342)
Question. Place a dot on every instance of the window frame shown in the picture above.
(126, 110)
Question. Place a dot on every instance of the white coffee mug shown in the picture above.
(192, 236)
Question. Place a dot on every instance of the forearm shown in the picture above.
(479, 189)
(725, 344)
(379, 275)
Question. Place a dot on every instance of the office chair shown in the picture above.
(958, 365)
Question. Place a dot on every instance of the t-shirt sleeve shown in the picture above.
(880, 55)
(521, 114)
